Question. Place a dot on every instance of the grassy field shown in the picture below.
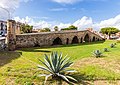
(20, 67)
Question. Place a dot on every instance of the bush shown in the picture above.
(97, 53)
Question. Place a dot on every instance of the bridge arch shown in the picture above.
(87, 38)
(75, 40)
(93, 40)
(81, 40)
(57, 41)
(67, 41)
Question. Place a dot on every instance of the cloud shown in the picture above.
(58, 9)
(30, 21)
(74, 1)
(66, 1)
(82, 24)
(112, 22)
(9, 6)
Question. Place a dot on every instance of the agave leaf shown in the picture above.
(64, 61)
(55, 60)
(58, 63)
(40, 75)
(46, 64)
(49, 61)
(47, 78)
(66, 66)
(43, 68)
(63, 77)
(69, 77)
(70, 71)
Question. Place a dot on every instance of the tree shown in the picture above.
(45, 30)
(109, 30)
(25, 28)
(56, 28)
(72, 27)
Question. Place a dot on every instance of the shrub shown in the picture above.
(56, 65)
(106, 50)
(97, 53)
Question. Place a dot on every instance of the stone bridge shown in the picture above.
(56, 38)
(15, 40)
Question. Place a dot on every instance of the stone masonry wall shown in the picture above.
(47, 38)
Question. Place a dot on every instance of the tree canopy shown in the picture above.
(109, 30)
(56, 28)
(72, 27)
(45, 30)
(25, 28)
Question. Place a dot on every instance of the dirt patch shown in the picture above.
(112, 65)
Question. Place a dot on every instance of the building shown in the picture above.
(3, 27)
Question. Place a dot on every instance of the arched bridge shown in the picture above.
(56, 38)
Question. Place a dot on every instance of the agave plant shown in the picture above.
(97, 53)
(106, 50)
(57, 67)
(115, 43)
(112, 45)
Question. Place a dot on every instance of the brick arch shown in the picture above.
(93, 39)
(81, 40)
(57, 41)
(67, 41)
(87, 38)
(75, 40)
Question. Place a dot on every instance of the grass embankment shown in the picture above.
(20, 67)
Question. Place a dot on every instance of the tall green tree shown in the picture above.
(109, 30)
(25, 28)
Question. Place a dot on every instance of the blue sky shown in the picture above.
(62, 12)
(81, 13)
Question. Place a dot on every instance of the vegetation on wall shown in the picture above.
(25, 28)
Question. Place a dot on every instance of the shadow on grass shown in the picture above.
(6, 57)
(41, 49)
(80, 44)
(89, 79)
(34, 49)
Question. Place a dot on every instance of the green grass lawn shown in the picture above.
(20, 67)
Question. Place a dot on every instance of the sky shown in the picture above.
(63, 13)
